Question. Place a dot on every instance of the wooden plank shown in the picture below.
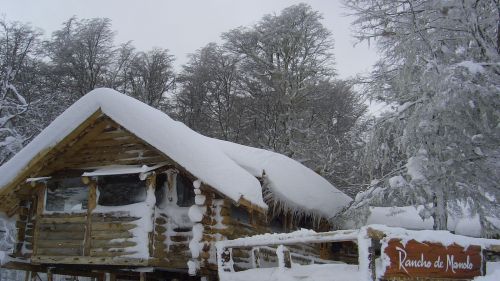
(48, 220)
(110, 218)
(59, 251)
(112, 143)
(112, 156)
(112, 226)
(90, 260)
(106, 244)
(64, 227)
(59, 243)
(111, 135)
(108, 253)
(65, 215)
(48, 235)
(132, 161)
(34, 268)
(105, 235)
(113, 149)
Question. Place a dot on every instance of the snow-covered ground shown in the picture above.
(325, 272)
(314, 272)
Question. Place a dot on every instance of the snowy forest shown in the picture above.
(273, 85)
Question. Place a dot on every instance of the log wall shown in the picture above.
(171, 243)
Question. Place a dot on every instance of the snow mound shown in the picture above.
(409, 217)
(229, 168)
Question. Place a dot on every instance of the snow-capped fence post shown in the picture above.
(255, 257)
(225, 259)
(284, 259)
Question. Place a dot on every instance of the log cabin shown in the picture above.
(113, 186)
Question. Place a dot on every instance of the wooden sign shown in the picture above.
(432, 260)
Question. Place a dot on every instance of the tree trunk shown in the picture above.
(440, 214)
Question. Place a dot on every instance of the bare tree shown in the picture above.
(281, 56)
(18, 49)
(210, 99)
(150, 76)
(81, 53)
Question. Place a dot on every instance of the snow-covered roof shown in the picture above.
(229, 168)
(291, 183)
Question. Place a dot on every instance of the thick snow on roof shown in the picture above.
(227, 167)
(290, 182)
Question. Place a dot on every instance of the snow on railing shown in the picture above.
(369, 240)
(284, 256)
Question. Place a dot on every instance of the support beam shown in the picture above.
(151, 186)
(50, 276)
(92, 203)
(40, 207)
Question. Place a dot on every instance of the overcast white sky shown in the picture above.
(185, 26)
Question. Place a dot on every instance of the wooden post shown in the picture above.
(151, 186)
(371, 260)
(40, 207)
(256, 257)
(112, 276)
(284, 258)
(91, 205)
(142, 276)
(50, 276)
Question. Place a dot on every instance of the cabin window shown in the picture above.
(240, 214)
(182, 194)
(66, 195)
(119, 190)
(161, 181)
(185, 191)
